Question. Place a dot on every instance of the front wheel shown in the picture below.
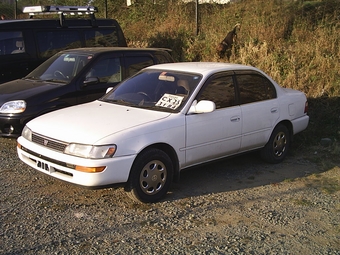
(277, 147)
(150, 177)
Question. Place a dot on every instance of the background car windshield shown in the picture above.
(61, 67)
(158, 90)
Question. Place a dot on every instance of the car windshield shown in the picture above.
(155, 89)
(60, 68)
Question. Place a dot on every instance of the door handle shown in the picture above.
(235, 118)
(274, 110)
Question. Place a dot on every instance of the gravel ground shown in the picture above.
(236, 206)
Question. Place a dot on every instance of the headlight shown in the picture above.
(27, 133)
(91, 151)
(16, 106)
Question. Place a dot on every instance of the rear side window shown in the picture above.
(11, 43)
(163, 58)
(51, 42)
(254, 88)
(135, 64)
(101, 37)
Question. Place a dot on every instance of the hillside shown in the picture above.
(296, 42)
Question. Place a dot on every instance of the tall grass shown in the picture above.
(295, 42)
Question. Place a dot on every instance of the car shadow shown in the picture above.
(237, 173)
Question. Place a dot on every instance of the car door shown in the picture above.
(108, 72)
(218, 133)
(259, 107)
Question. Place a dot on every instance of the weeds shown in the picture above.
(302, 202)
(326, 184)
(295, 42)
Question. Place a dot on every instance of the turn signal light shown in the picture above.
(90, 169)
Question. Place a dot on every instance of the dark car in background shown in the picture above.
(69, 78)
(26, 43)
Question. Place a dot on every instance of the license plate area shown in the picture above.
(43, 165)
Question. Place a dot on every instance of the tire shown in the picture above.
(278, 145)
(150, 177)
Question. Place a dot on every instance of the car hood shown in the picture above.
(91, 122)
(23, 89)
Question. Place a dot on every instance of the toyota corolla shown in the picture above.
(166, 118)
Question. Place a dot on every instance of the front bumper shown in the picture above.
(61, 166)
(10, 126)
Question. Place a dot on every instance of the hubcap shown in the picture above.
(153, 177)
(279, 144)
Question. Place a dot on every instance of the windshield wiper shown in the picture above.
(56, 80)
(120, 102)
(31, 78)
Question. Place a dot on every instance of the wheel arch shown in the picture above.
(169, 150)
(289, 126)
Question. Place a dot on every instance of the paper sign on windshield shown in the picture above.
(170, 101)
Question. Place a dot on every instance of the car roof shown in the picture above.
(97, 50)
(203, 67)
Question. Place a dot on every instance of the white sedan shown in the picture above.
(162, 120)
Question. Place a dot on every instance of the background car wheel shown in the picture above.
(150, 177)
(277, 147)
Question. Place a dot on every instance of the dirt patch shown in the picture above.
(240, 205)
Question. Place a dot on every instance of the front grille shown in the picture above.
(49, 143)
(60, 163)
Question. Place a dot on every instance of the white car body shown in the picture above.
(193, 137)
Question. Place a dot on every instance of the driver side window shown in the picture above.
(220, 90)
(106, 70)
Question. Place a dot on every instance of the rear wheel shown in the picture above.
(277, 147)
(150, 177)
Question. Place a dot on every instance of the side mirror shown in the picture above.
(108, 90)
(203, 106)
(90, 81)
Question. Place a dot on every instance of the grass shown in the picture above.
(302, 202)
(327, 184)
(295, 42)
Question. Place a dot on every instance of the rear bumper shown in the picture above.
(300, 124)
